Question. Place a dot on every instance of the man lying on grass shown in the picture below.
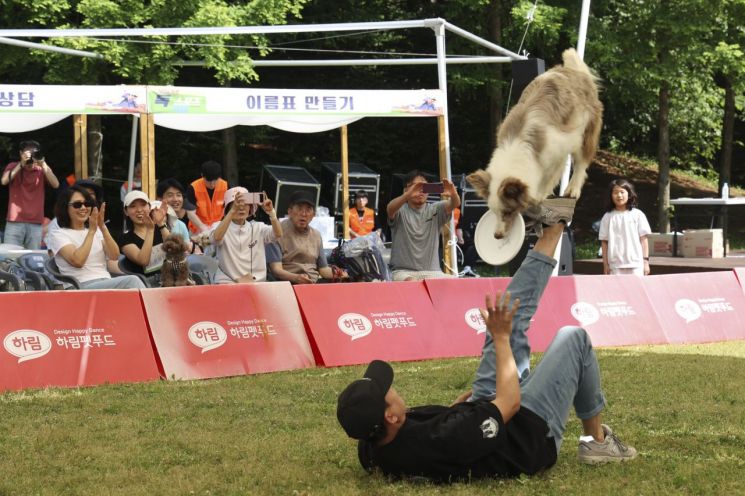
(513, 420)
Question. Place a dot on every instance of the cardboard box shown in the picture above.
(661, 245)
(703, 243)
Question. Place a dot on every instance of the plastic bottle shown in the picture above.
(725, 191)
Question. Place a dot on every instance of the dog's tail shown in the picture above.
(572, 61)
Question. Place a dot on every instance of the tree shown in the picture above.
(726, 61)
(646, 49)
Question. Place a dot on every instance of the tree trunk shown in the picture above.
(95, 146)
(663, 157)
(728, 126)
(230, 157)
(496, 99)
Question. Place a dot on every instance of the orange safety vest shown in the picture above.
(364, 226)
(209, 211)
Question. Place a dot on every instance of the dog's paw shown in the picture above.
(573, 193)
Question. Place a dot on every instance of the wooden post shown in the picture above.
(80, 147)
(345, 180)
(147, 154)
(446, 232)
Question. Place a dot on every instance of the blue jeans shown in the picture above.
(119, 282)
(567, 375)
(23, 234)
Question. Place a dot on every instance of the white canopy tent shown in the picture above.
(294, 123)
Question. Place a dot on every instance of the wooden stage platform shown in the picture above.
(671, 265)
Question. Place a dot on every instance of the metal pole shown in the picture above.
(445, 167)
(582, 36)
(581, 39)
(49, 48)
(132, 152)
(465, 59)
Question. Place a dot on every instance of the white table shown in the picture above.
(720, 204)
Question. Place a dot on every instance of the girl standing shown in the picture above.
(623, 232)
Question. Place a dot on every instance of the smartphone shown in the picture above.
(255, 198)
(433, 188)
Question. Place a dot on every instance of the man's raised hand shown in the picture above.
(498, 315)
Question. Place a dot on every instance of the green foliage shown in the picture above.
(151, 60)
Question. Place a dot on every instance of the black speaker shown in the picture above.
(565, 266)
(523, 72)
(361, 177)
(281, 181)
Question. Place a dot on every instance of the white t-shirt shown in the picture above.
(241, 251)
(95, 264)
(622, 230)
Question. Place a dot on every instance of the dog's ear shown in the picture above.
(480, 181)
(514, 194)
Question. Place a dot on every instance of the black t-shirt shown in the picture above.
(130, 237)
(468, 440)
(191, 195)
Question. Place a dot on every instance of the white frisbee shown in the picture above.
(498, 251)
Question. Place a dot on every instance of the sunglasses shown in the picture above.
(80, 204)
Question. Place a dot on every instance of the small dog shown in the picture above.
(175, 270)
(559, 114)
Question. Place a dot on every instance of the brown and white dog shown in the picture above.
(559, 114)
(175, 270)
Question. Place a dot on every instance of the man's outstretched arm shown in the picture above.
(498, 316)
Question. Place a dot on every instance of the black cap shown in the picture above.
(87, 183)
(360, 194)
(302, 197)
(361, 406)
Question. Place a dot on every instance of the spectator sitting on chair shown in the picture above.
(96, 193)
(25, 180)
(82, 245)
(298, 255)
(415, 228)
(361, 218)
(208, 193)
(172, 192)
(240, 242)
(93, 189)
(146, 230)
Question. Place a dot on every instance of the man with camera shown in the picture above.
(415, 227)
(26, 179)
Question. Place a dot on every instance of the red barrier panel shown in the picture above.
(73, 338)
(457, 303)
(698, 307)
(613, 309)
(235, 329)
(357, 322)
(740, 273)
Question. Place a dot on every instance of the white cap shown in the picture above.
(135, 195)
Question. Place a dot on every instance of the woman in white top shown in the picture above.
(83, 244)
(240, 242)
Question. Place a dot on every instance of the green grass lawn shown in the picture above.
(682, 407)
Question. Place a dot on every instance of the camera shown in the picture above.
(36, 156)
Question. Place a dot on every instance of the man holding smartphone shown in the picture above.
(415, 227)
(26, 179)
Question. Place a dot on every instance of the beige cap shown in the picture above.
(232, 192)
